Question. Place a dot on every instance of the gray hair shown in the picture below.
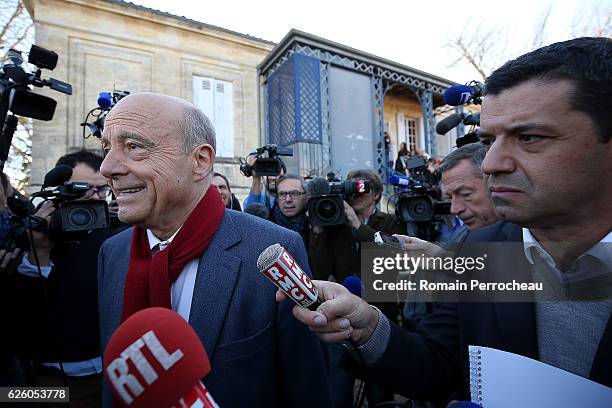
(291, 177)
(473, 151)
(197, 129)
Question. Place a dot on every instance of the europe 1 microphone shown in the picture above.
(155, 359)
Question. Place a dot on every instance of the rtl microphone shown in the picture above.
(461, 94)
(155, 359)
(280, 268)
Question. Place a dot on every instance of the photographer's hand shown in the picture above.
(352, 220)
(342, 315)
(42, 243)
(256, 180)
(9, 260)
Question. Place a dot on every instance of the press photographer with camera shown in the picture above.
(57, 289)
(257, 166)
(334, 253)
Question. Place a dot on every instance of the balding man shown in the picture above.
(188, 254)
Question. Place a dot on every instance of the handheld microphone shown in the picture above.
(353, 284)
(282, 270)
(57, 176)
(461, 94)
(400, 181)
(155, 359)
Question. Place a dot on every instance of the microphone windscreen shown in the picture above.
(104, 100)
(318, 186)
(448, 123)
(353, 284)
(457, 95)
(154, 359)
(399, 180)
(57, 176)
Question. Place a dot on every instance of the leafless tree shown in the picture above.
(16, 31)
(485, 49)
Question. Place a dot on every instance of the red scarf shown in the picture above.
(149, 278)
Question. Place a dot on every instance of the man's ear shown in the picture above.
(203, 161)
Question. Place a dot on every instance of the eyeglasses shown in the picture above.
(102, 191)
(282, 195)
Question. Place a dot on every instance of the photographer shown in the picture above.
(256, 194)
(335, 250)
(290, 208)
(57, 286)
(335, 255)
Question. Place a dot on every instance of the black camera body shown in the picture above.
(419, 204)
(266, 166)
(16, 97)
(80, 215)
(326, 199)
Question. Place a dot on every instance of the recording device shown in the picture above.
(155, 359)
(70, 215)
(419, 203)
(266, 166)
(326, 199)
(472, 92)
(284, 272)
(451, 121)
(17, 97)
(106, 101)
(387, 241)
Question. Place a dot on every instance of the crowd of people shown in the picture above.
(181, 240)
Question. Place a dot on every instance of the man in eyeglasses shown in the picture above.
(289, 210)
(57, 296)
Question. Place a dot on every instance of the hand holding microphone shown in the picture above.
(338, 315)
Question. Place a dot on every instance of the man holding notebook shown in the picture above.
(546, 123)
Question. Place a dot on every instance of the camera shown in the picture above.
(419, 204)
(72, 215)
(266, 166)
(17, 98)
(326, 199)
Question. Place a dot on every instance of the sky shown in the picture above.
(413, 33)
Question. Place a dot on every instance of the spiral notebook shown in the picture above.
(499, 379)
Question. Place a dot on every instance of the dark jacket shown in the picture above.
(433, 362)
(336, 251)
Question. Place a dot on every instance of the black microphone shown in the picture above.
(318, 186)
(448, 123)
(57, 176)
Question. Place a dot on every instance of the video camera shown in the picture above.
(17, 98)
(327, 196)
(70, 215)
(106, 101)
(419, 203)
(266, 166)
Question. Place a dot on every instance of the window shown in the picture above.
(411, 133)
(215, 98)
